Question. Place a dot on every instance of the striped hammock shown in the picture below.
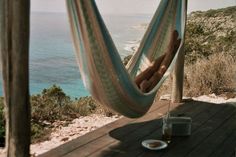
(103, 73)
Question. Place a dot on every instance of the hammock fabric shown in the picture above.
(103, 73)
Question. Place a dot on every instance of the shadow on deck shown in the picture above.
(213, 134)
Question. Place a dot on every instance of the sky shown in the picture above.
(128, 6)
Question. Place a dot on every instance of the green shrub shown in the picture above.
(226, 43)
(87, 105)
(84, 105)
(39, 132)
(46, 108)
(195, 29)
(211, 13)
(224, 11)
(54, 105)
(101, 109)
(51, 105)
(195, 50)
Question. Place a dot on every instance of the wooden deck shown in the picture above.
(213, 134)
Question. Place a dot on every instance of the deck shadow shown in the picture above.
(129, 137)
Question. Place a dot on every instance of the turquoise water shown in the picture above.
(52, 58)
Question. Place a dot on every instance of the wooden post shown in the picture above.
(177, 78)
(178, 73)
(14, 48)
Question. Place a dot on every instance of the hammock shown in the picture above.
(102, 71)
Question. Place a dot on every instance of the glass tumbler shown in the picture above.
(166, 129)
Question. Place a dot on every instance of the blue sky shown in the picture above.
(128, 6)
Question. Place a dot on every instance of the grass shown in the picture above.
(215, 74)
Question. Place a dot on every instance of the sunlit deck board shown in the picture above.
(123, 137)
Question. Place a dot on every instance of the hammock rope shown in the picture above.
(103, 73)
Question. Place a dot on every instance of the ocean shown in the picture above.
(52, 57)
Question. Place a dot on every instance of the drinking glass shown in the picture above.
(166, 129)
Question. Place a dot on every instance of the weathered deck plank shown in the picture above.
(215, 139)
(213, 125)
(196, 110)
(202, 132)
(129, 131)
(131, 146)
(228, 144)
(201, 113)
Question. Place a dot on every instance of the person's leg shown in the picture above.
(169, 53)
(148, 85)
(143, 86)
(164, 66)
(148, 79)
(147, 74)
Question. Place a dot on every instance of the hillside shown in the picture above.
(211, 32)
(210, 60)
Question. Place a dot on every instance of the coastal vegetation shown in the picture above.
(210, 52)
(209, 68)
(51, 108)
